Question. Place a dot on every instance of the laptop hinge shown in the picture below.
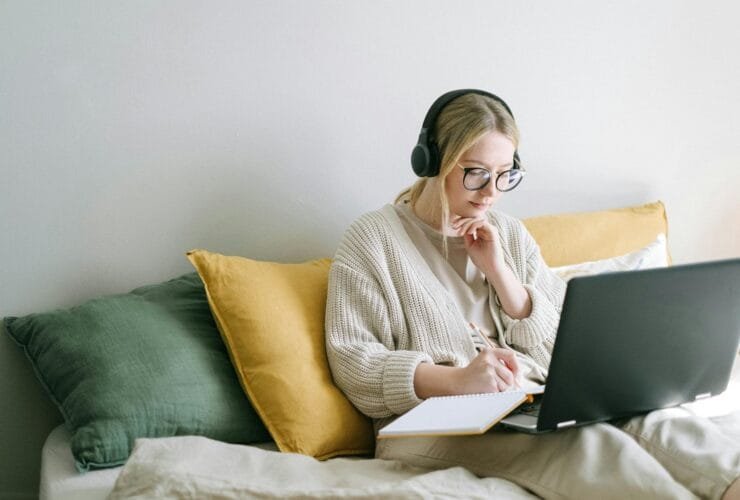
(567, 423)
(702, 396)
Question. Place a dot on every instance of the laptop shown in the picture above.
(634, 341)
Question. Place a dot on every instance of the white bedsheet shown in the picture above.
(59, 478)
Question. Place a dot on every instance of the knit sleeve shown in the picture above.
(535, 334)
(376, 378)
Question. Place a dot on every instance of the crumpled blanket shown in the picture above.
(198, 467)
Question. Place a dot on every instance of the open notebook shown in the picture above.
(458, 415)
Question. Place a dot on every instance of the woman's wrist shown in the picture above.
(500, 276)
(495, 273)
(436, 380)
(513, 297)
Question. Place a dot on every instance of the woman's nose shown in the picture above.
(490, 188)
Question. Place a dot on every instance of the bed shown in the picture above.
(180, 466)
(198, 467)
(195, 416)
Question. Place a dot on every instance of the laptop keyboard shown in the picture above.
(532, 409)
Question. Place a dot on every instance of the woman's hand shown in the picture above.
(482, 242)
(492, 370)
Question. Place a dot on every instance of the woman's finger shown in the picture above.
(466, 227)
(457, 221)
(509, 358)
(482, 229)
(479, 230)
(505, 375)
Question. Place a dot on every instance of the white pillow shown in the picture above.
(653, 255)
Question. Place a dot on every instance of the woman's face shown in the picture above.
(494, 152)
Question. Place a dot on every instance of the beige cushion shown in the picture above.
(588, 236)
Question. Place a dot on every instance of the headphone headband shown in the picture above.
(425, 157)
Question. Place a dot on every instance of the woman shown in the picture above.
(415, 284)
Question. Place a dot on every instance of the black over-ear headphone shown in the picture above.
(425, 158)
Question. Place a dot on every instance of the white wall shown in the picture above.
(133, 131)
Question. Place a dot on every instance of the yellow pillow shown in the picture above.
(579, 237)
(271, 317)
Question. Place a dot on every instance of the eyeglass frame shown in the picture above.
(490, 176)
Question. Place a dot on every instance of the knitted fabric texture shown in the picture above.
(387, 312)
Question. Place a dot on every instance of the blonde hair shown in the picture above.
(461, 124)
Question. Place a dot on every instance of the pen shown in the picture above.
(482, 335)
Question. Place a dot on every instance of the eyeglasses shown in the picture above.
(476, 178)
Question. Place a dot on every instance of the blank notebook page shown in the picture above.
(467, 414)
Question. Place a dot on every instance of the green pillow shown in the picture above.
(149, 363)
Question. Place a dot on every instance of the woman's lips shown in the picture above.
(478, 205)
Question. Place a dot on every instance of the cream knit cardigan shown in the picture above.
(386, 312)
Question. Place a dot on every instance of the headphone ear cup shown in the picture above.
(425, 160)
(420, 159)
